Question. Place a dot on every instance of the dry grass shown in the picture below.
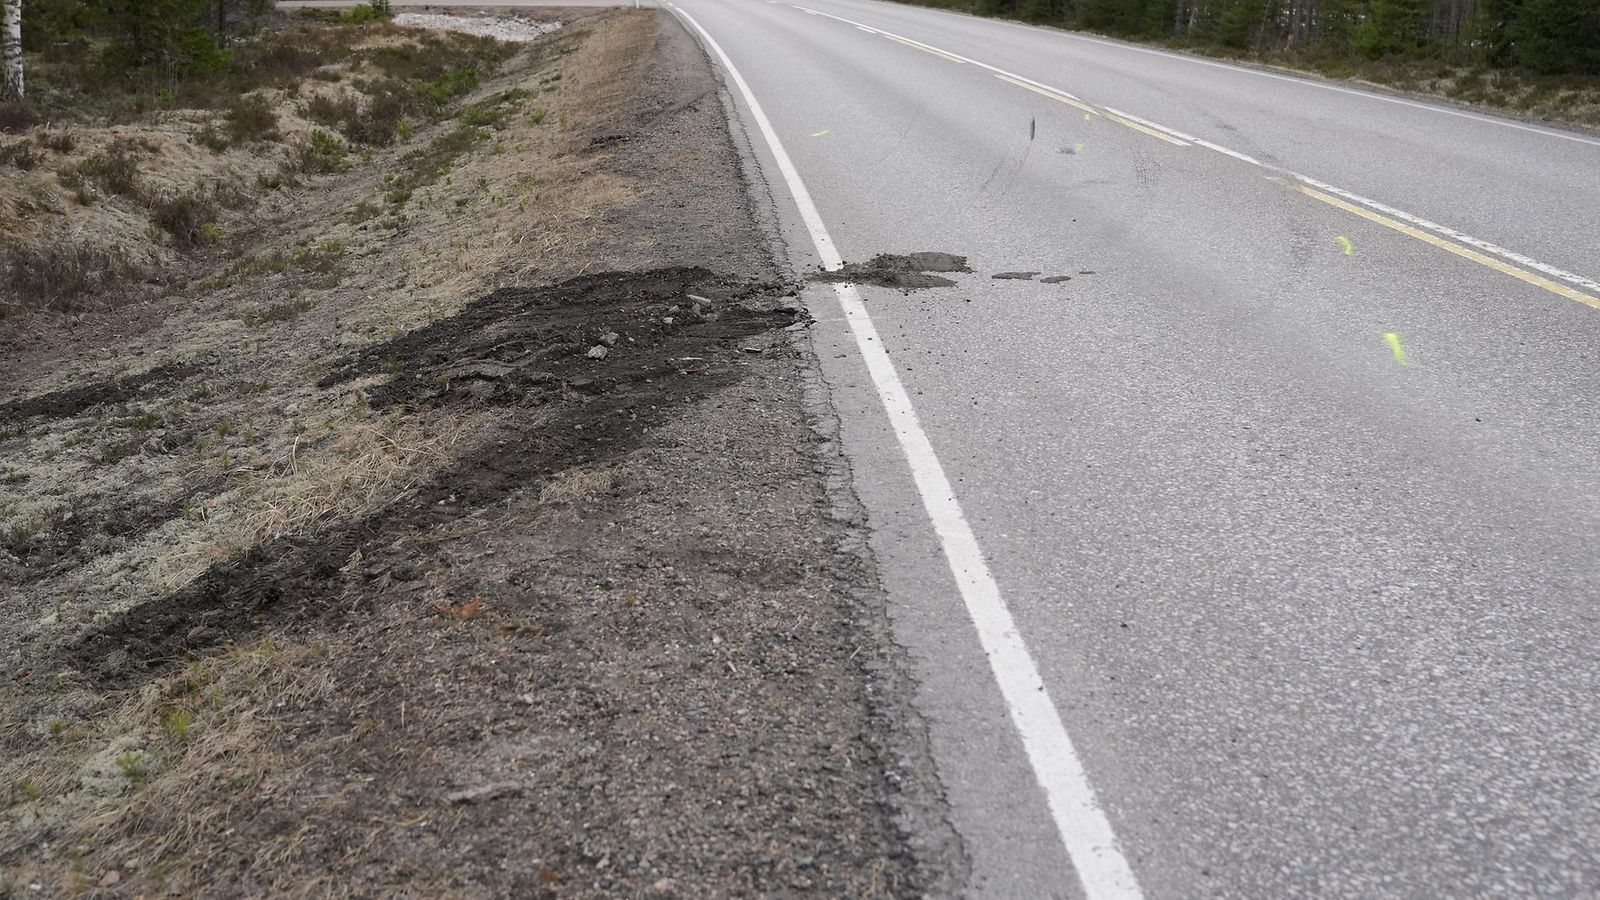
(295, 459)
(365, 466)
(577, 483)
(215, 725)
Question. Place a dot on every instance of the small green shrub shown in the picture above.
(452, 84)
(134, 767)
(321, 154)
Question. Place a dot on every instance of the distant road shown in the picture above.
(1292, 492)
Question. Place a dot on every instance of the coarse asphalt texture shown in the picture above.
(1294, 508)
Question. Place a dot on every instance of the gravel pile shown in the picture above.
(515, 30)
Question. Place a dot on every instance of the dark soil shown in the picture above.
(516, 347)
(1055, 279)
(910, 272)
(1017, 276)
(89, 533)
(72, 401)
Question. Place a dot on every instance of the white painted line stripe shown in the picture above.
(1081, 824)
(1149, 124)
(867, 30)
(1233, 153)
(1418, 221)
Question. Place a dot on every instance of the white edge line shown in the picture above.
(1081, 824)
(1420, 222)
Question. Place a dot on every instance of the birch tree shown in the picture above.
(11, 49)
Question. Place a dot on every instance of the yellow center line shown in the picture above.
(1054, 95)
(1463, 252)
(1051, 94)
(1150, 131)
(924, 48)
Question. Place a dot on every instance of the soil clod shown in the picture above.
(909, 272)
(1015, 276)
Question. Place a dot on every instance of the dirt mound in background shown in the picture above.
(909, 272)
(670, 336)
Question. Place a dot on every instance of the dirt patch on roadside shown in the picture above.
(407, 552)
(668, 343)
(909, 272)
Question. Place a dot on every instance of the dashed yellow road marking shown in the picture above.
(1463, 252)
(1090, 111)
(924, 48)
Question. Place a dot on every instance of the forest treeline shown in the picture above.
(1549, 37)
(157, 37)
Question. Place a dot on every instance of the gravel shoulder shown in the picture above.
(517, 561)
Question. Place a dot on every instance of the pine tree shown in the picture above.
(1558, 36)
(165, 36)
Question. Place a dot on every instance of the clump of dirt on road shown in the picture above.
(908, 272)
(459, 531)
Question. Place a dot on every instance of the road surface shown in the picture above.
(1290, 505)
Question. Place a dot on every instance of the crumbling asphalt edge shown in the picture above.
(922, 810)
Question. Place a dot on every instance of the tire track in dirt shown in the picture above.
(669, 336)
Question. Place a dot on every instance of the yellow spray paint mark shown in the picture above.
(1463, 252)
(1087, 116)
(1399, 351)
(819, 133)
(1079, 148)
(1349, 248)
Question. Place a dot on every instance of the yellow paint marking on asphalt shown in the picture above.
(1053, 95)
(1457, 249)
(1089, 111)
(819, 133)
(1399, 351)
(924, 48)
(1349, 248)
(1150, 131)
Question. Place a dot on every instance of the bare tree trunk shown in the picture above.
(11, 49)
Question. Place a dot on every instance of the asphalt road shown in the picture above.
(1292, 501)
